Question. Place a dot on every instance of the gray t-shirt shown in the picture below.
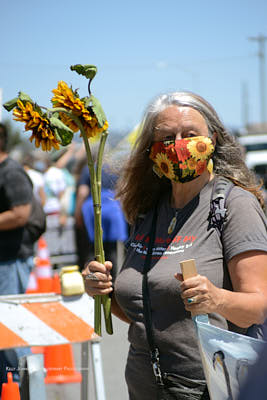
(175, 336)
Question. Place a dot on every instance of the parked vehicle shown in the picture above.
(255, 147)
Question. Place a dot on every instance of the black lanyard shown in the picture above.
(154, 352)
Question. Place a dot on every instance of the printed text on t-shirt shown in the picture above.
(164, 247)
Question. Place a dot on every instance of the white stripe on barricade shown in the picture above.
(28, 327)
(45, 319)
(78, 308)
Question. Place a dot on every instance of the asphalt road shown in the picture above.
(114, 350)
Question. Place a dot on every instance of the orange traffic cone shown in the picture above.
(10, 390)
(56, 287)
(43, 268)
(32, 284)
(42, 249)
(59, 364)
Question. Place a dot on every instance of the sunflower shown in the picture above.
(40, 127)
(92, 129)
(191, 163)
(200, 147)
(44, 136)
(65, 97)
(165, 165)
(68, 121)
(26, 114)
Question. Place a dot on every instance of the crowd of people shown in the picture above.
(182, 156)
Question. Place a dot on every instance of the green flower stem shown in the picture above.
(95, 177)
(99, 162)
(106, 300)
(98, 243)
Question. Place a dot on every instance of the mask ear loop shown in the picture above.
(210, 166)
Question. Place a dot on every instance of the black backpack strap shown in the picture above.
(218, 212)
(154, 351)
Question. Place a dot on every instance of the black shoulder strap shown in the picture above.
(218, 212)
(154, 352)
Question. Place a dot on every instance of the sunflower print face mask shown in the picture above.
(182, 160)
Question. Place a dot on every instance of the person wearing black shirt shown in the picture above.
(16, 247)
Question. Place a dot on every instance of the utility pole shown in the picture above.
(261, 40)
(245, 104)
(1, 99)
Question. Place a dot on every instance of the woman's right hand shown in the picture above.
(97, 278)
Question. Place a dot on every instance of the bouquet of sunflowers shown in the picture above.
(54, 127)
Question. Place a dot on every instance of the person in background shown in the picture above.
(182, 152)
(16, 250)
(85, 248)
(84, 213)
(55, 186)
(66, 163)
(36, 178)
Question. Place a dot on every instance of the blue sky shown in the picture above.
(141, 48)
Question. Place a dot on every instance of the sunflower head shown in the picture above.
(67, 98)
(36, 121)
(165, 165)
(87, 109)
(200, 147)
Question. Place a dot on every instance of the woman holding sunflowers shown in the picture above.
(166, 187)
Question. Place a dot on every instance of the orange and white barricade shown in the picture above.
(51, 319)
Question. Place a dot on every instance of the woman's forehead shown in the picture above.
(176, 116)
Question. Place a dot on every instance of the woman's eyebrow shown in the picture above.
(183, 128)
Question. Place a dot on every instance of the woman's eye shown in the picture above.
(168, 140)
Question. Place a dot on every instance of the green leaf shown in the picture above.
(37, 108)
(87, 70)
(98, 111)
(9, 105)
(57, 136)
(25, 98)
(87, 102)
(61, 130)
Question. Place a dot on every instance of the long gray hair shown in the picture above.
(138, 178)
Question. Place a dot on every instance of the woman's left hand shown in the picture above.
(199, 294)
